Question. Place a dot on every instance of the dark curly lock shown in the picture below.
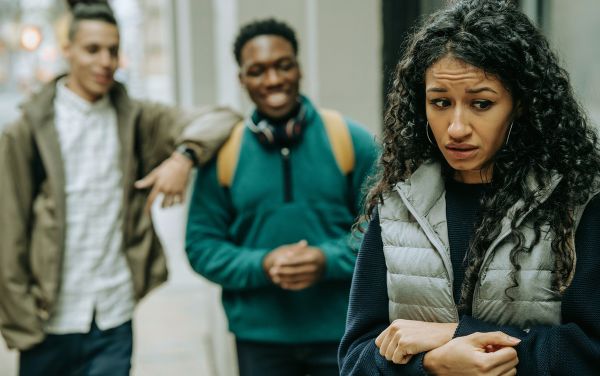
(263, 27)
(550, 132)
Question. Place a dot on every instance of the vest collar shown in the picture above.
(425, 187)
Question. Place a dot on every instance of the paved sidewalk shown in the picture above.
(180, 329)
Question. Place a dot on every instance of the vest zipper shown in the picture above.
(287, 175)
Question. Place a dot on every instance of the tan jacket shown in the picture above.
(32, 201)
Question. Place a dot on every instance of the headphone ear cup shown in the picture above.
(286, 134)
(289, 129)
(263, 132)
(268, 136)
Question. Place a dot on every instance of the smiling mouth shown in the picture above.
(103, 79)
(278, 99)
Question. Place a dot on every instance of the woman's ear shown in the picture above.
(518, 110)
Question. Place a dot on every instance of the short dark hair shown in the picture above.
(98, 10)
(256, 28)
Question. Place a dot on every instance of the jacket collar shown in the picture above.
(39, 113)
(39, 109)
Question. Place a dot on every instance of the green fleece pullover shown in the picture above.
(230, 230)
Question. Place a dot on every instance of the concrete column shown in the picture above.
(226, 28)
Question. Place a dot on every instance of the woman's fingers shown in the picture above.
(507, 360)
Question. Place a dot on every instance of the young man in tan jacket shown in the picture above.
(77, 247)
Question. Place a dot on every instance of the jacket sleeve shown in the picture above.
(572, 348)
(341, 252)
(164, 127)
(19, 323)
(210, 249)
(207, 129)
(368, 315)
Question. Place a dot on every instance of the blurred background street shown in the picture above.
(180, 52)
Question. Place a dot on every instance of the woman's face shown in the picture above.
(469, 114)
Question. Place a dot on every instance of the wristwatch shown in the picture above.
(188, 152)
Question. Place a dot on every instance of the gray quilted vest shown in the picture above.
(419, 270)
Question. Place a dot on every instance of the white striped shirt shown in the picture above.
(95, 275)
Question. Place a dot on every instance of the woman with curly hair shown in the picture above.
(482, 252)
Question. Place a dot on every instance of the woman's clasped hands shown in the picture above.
(476, 354)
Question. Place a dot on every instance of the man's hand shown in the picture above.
(470, 355)
(169, 178)
(295, 266)
(405, 338)
(280, 252)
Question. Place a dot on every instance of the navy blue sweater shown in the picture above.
(572, 348)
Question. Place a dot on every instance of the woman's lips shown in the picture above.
(461, 151)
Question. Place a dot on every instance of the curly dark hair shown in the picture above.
(550, 133)
(269, 26)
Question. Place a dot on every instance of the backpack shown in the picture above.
(337, 133)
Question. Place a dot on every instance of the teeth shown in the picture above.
(276, 99)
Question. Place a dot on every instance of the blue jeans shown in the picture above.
(97, 353)
(274, 359)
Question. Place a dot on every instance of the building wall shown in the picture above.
(339, 52)
(573, 29)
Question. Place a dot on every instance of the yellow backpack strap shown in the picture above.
(340, 139)
(228, 156)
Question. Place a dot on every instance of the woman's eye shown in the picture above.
(482, 104)
(440, 102)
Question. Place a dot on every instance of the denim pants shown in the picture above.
(96, 353)
(274, 359)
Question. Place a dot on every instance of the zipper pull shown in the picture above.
(287, 175)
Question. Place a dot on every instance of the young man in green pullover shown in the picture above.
(276, 234)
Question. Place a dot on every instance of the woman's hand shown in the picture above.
(405, 338)
(470, 355)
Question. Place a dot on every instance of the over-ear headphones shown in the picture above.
(283, 135)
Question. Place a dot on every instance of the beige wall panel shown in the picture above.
(350, 59)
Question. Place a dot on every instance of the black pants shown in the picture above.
(259, 359)
(97, 353)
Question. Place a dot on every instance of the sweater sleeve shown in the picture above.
(341, 252)
(209, 246)
(368, 315)
(572, 348)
